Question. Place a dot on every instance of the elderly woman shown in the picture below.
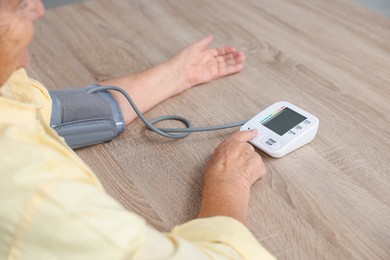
(53, 206)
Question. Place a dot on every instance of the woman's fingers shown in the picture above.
(245, 136)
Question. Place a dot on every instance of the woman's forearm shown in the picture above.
(194, 65)
(147, 88)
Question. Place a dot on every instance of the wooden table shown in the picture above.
(327, 200)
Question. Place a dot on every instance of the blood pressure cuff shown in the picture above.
(84, 118)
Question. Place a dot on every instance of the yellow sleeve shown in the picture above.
(51, 208)
(207, 238)
(209, 232)
(54, 210)
(52, 205)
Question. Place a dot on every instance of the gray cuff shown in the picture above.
(84, 118)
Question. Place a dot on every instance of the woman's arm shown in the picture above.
(229, 176)
(194, 65)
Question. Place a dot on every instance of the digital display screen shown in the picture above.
(284, 121)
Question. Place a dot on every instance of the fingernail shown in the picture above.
(254, 131)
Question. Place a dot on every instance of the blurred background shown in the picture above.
(379, 6)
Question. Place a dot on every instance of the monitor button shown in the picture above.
(271, 142)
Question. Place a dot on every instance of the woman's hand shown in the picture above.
(229, 175)
(198, 63)
(236, 161)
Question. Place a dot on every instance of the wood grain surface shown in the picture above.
(327, 200)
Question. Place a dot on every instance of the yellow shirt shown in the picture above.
(53, 206)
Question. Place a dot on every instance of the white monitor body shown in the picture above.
(283, 128)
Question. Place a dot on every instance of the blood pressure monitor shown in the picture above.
(283, 128)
